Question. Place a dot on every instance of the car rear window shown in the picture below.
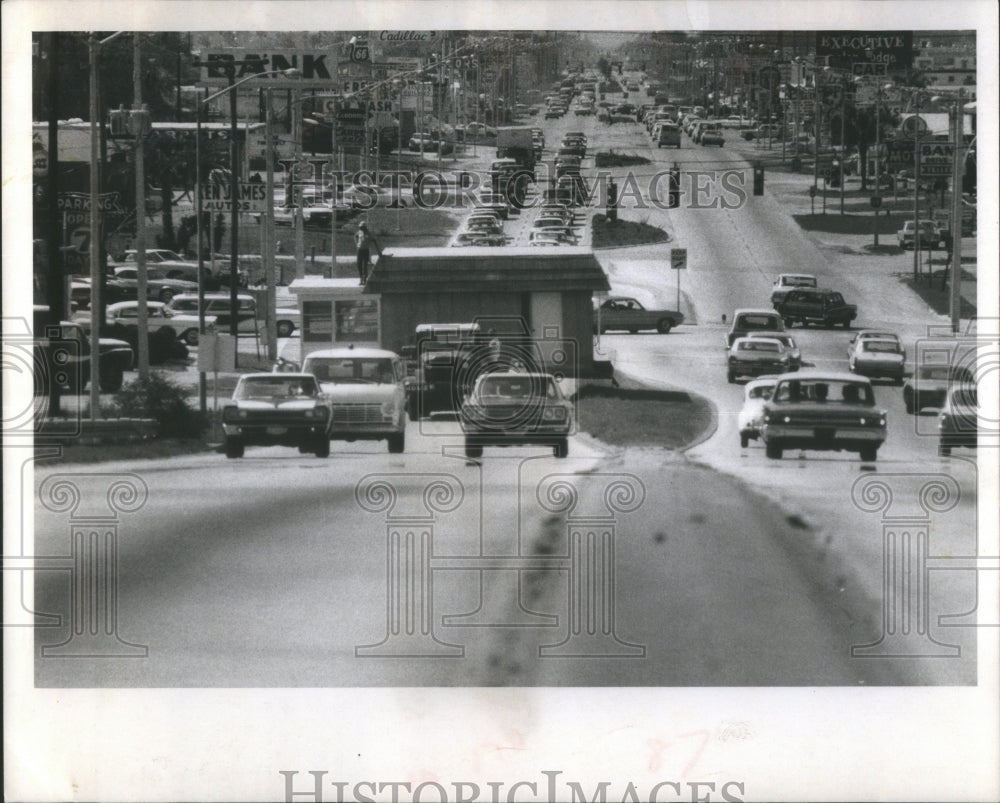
(757, 322)
(823, 391)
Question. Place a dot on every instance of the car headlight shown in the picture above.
(232, 413)
(787, 419)
(767, 418)
(553, 414)
(387, 408)
(862, 421)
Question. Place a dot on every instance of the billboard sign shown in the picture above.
(418, 96)
(318, 68)
(216, 197)
(844, 49)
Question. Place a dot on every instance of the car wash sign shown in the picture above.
(317, 68)
(894, 49)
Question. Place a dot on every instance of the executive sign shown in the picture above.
(847, 48)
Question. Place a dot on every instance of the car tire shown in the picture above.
(744, 440)
(473, 450)
(869, 454)
(773, 451)
(304, 448)
(664, 325)
(633, 331)
(943, 451)
(397, 442)
(561, 448)
(234, 448)
(731, 377)
(190, 337)
(322, 447)
(911, 407)
(111, 380)
(285, 328)
(789, 323)
(847, 324)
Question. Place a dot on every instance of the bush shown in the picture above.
(164, 401)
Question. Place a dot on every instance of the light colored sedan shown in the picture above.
(876, 357)
(751, 415)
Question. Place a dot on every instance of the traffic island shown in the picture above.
(638, 416)
(612, 159)
(618, 233)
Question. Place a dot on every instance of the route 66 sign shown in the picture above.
(360, 52)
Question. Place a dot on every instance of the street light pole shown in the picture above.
(956, 215)
(95, 233)
(234, 216)
(916, 187)
(94, 46)
(142, 319)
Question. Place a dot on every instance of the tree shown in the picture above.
(604, 68)
(859, 131)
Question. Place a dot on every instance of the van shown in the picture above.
(668, 134)
(219, 306)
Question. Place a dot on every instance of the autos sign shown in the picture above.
(845, 48)
(317, 68)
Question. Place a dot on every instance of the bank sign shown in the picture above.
(894, 49)
(318, 68)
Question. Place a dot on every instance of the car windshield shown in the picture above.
(268, 387)
(760, 392)
(509, 387)
(355, 370)
(882, 346)
(820, 391)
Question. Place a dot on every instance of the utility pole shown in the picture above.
(138, 128)
(55, 281)
(956, 215)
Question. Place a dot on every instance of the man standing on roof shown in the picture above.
(364, 241)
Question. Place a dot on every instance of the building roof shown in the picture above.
(486, 269)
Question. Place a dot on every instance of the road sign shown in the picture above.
(360, 52)
(678, 258)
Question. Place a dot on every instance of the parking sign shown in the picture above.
(678, 258)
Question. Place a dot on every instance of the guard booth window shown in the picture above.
(317, 321)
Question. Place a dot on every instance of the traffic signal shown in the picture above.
(118, 122)
(758, 180)
(674, 188)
